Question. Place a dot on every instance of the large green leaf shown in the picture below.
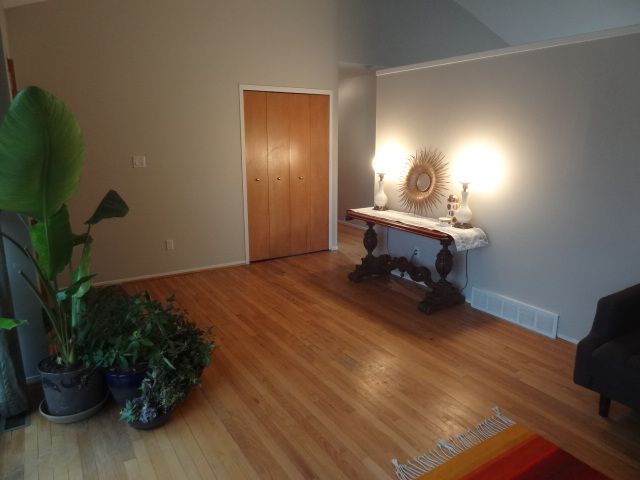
(9, 323)
(52, 241)
(112, 205)
(41, 154)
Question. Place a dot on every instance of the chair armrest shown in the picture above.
(617, 314)
(584, 353)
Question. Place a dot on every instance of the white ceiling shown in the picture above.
(525, 21)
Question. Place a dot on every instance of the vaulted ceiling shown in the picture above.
(525, 21)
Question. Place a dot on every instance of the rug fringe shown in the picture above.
(447, 449)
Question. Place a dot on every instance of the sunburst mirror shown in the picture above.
(425, 183)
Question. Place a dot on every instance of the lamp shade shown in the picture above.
(479, 165)
(379, 164)
(390, 160)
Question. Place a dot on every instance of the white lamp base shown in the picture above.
(463, 214)
(380, 199)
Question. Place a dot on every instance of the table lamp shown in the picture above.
(463, 214)
(380, 168)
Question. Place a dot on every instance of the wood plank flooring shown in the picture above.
(316, 377)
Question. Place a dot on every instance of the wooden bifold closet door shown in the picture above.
(287, 165)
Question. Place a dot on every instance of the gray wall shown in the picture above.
(357, 134)
(396, 33)
(31, 336)
(563, 223)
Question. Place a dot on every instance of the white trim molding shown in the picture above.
(568, 339)
(587, 37)
(332, 193)
(19, 3)
(169, 274)
(352, 224)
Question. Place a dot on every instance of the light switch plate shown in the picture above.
(138, 161)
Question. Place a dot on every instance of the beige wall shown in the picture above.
(161, 79)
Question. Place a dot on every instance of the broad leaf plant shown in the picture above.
(41, 157)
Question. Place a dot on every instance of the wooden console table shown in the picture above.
(441, 293)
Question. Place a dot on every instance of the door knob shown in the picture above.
(279, 178)
(257, 179)
(301, 177)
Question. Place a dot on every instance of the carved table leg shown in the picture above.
(443, 294)
(371, 265)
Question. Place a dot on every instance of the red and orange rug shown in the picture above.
(497, 448)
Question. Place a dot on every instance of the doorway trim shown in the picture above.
(331, 241)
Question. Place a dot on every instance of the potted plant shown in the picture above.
(173, 372)
(41, 156)
(127, 332)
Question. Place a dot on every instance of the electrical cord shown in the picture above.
(466, 270)
(466, 260)
(386, 244)
(386, 241)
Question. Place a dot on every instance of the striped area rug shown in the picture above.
(497, 448)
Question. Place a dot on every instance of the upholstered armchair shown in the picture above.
(608, 359)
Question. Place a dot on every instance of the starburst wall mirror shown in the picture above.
(424, 185)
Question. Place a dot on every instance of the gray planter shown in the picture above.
(70, 391)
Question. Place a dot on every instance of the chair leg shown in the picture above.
(605, 404)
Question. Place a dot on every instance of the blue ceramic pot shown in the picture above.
(125, 385)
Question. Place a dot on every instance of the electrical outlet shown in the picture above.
(139, 161)
(416, 252)
(168, 244)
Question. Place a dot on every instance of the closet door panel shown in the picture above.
(318, 185)
(278, 161)
(299, 167)
(255, 125)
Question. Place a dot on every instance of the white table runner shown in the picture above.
(463, 238)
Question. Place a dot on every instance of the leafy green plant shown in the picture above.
(125, 330)
(185, 353)
(41, 156)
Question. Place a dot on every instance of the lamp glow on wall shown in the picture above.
(479, 165)
(388, 161)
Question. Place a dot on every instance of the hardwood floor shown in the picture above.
(317, 377)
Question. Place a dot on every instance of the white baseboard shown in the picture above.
(568, 339)
(33, 379)
(170, 274)
(527, 316)
(353, 224)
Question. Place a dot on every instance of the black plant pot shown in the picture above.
(125, 385)
(69, 391)
(155, 423)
